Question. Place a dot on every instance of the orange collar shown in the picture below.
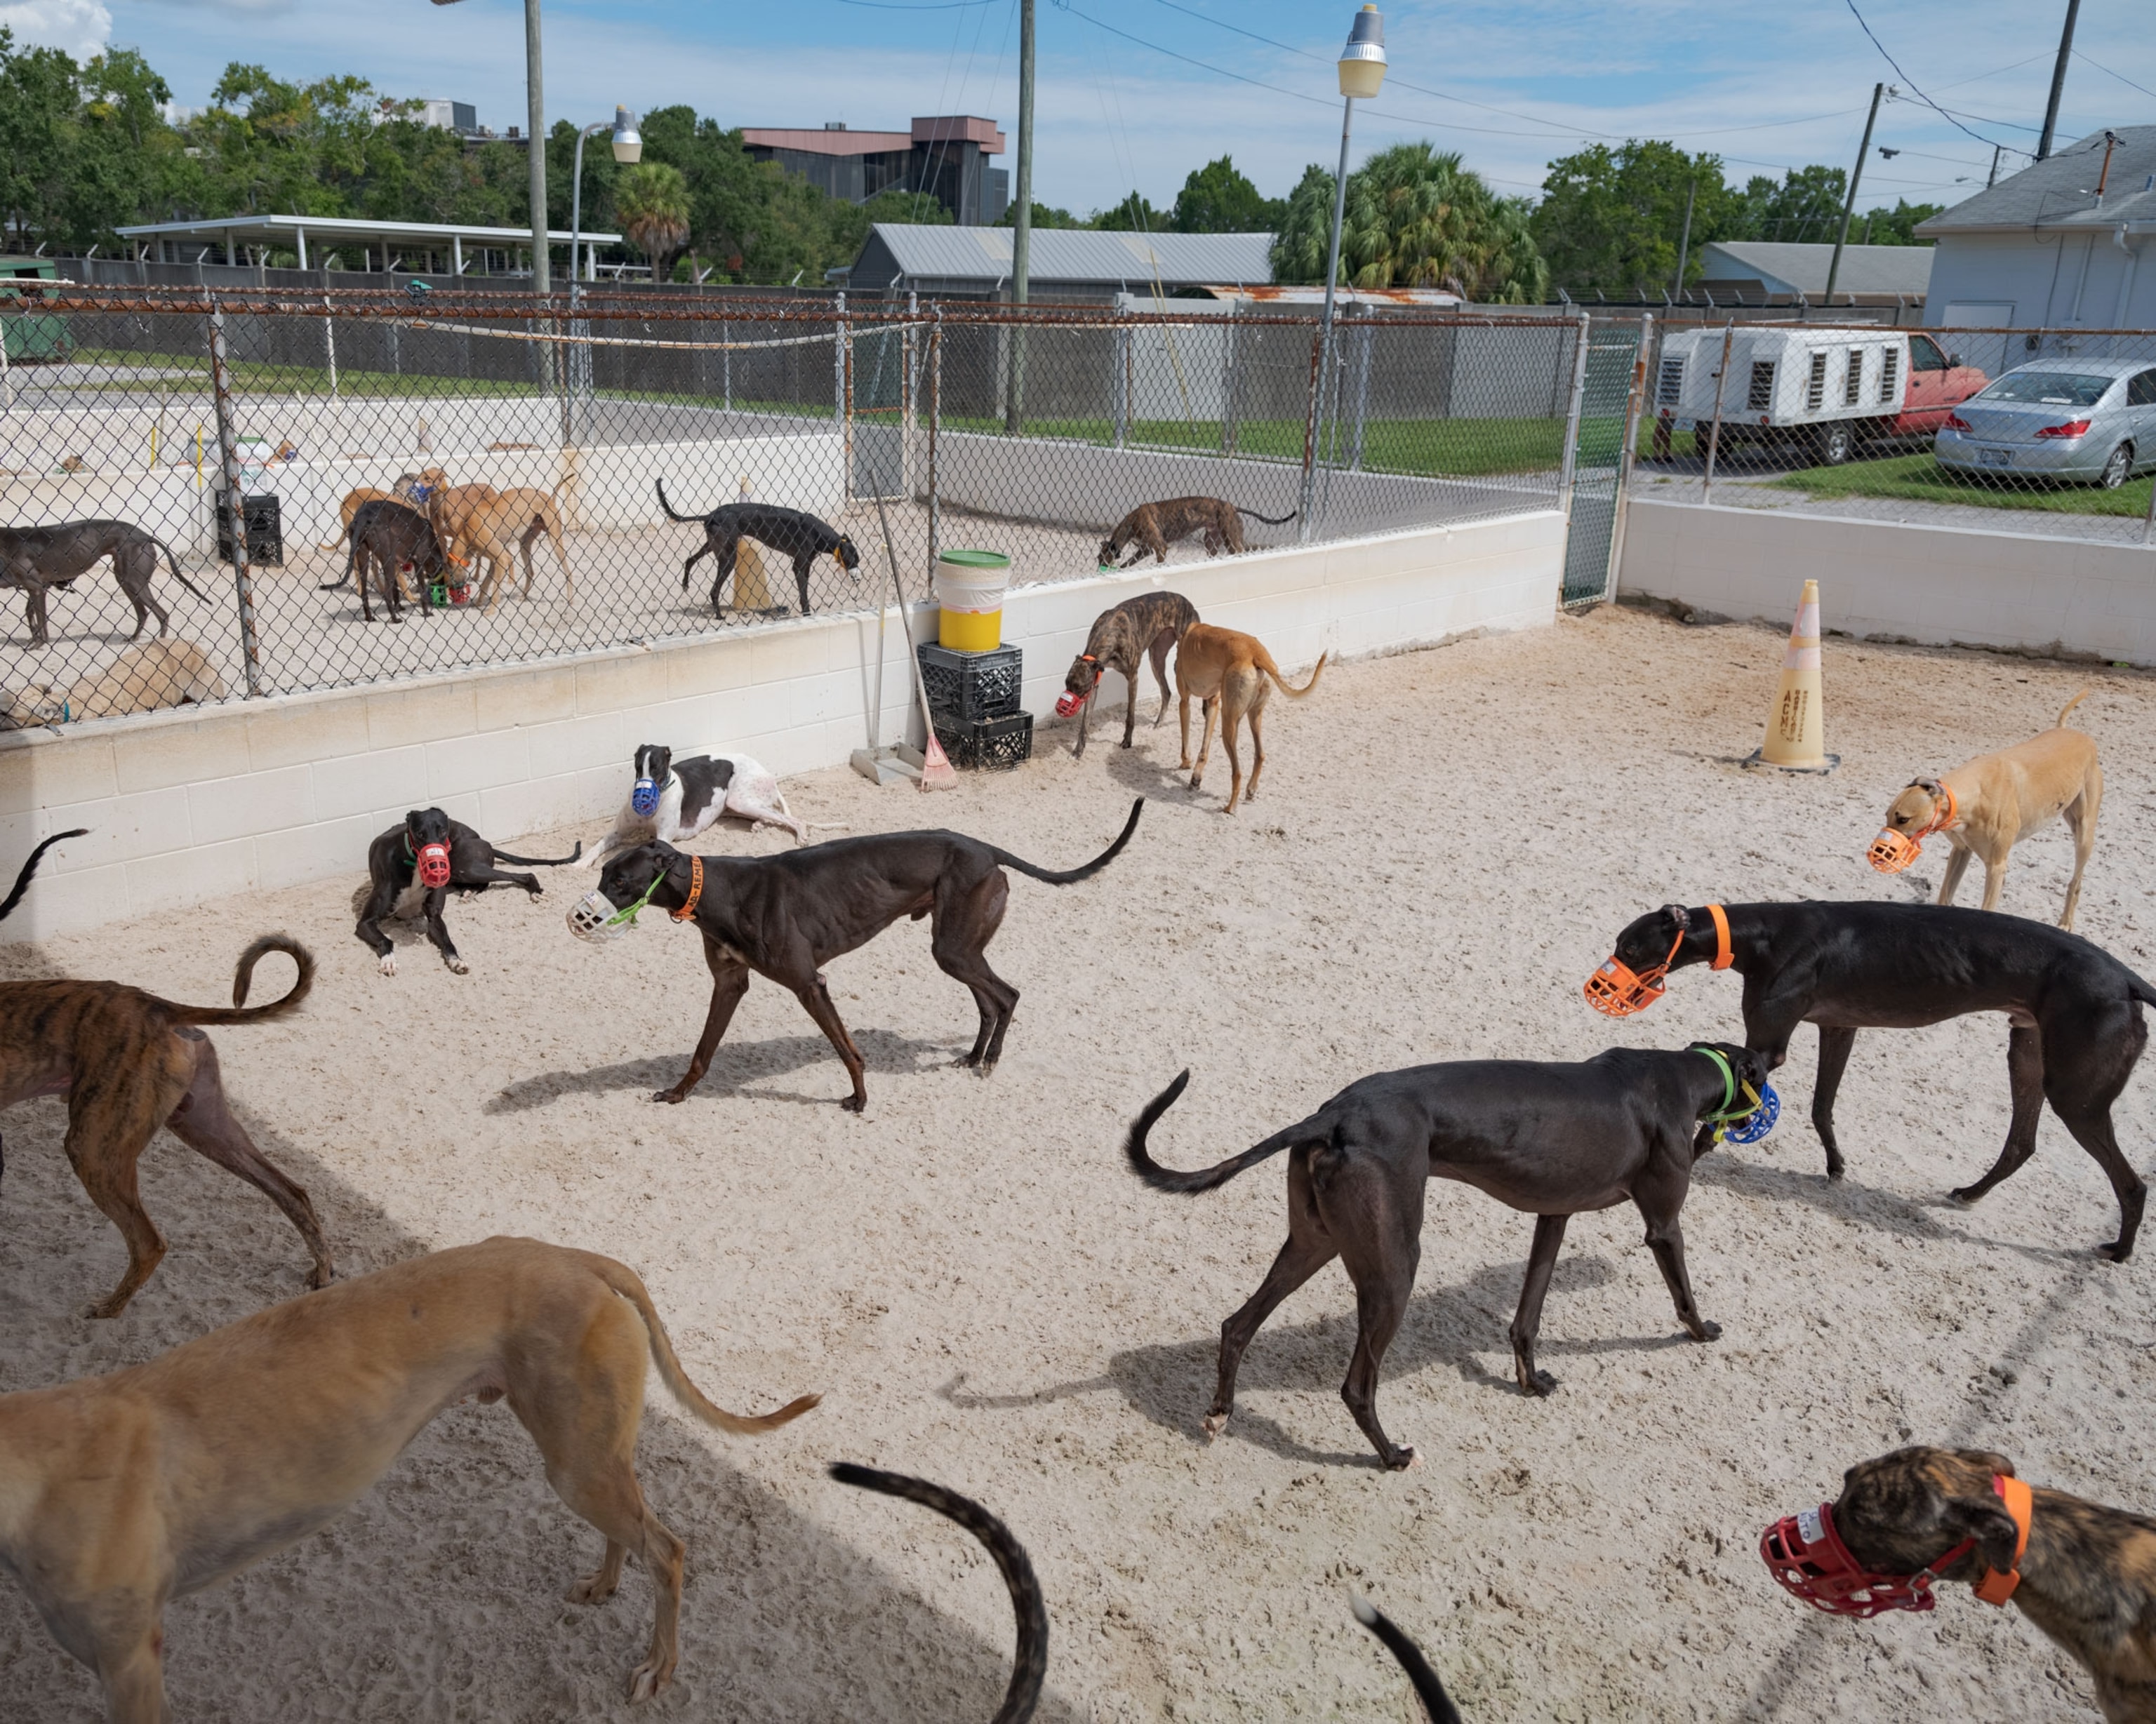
(1993, 1586)
(1724, 956)
(1941, 822)
(696, 890)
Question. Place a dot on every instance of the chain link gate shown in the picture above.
(1610, 400)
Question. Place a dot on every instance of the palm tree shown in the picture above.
(651, 202)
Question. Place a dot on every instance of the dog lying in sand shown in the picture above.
(143, 679)
(122, 1492)
(673, 800)
(1987, 805)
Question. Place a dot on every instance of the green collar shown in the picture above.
(1728, 1111)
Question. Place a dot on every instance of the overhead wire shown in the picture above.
(1943, 113)
(2108, 73)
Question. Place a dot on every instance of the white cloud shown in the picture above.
(81, 26)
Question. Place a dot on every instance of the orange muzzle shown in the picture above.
(1617, 990)
(1892, 851)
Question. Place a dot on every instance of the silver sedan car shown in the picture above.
(2086, 421)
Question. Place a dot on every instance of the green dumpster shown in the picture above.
(31, 336)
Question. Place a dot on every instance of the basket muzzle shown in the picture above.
(1892, 851)
(433, 862)
(1807, 1557)
(643, 799)
(1617, 990)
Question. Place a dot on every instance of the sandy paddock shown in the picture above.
(1445, 842)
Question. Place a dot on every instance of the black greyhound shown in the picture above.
(791, 532)
(1551, 1140)
(426, 843)
(2075, 1009)
(36, 558)
(387, 537)
(786, 916)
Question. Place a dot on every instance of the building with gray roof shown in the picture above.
(1761, 271)
(2058, 245)
(1066, 263)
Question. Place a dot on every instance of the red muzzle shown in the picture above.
(1806, 1554)
(434, 864)
(1068, 702)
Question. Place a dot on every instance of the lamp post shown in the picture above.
(535, 106)
(1362, 74)
(628, 151)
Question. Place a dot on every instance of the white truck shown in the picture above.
(1829, 390)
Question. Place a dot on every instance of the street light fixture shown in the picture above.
(627, 150)
(1362, 74)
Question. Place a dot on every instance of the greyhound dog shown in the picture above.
(143, 679)
(1988, 804)
(1155, 526)
(2075, 1010)
(1231, 673)
(786, 916)
(388, 538)
(36, 558)
(788, 531)
(2084, 1574)
(1551, 1140)
(128, 1062)
(1145, 627)
(411, 867)
(127, 1490)
(673, 800)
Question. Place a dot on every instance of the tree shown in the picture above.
(651, 203)
(1043, 217)
(1805, 207)
(39, 99)
(1133, 215)
(1415, 218)
(1217, 199)
(1611, 222)
(1894, 227)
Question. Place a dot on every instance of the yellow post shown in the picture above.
(153, 449)
(1796, 731)
(198, 454)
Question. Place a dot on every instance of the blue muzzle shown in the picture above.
(1759, 1122)
(644, 798)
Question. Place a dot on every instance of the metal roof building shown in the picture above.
(1870, 272)
(314, 239)
(1067, 263)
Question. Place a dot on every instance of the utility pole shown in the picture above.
(1022, 228)
(534, 101)
(1684, 245)
(1997, 150)
(1849, 205)
(2058, 80)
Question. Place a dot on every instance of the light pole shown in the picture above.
(1361, 73)
(628, 151)
(534, 115)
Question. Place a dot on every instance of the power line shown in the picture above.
(2108, 72)
(1910, 82)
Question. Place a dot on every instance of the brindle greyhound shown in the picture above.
(1552, 1139)
(1155, 526)
(2075, 1009)
(1144, 626)
(2086, 1577)
(787, 915)
(128, 1062)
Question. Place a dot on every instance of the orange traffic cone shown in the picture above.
(1796, 733)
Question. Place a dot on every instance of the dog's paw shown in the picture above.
(388, 963)
(2116, 1250)
(1215, 1422)
(645, 1681)
(1405, 1459)
(320, 1276)
(1539, 1382)
(458, 967)
(1708, 1330)
(855, 1104)
(1968, 1194)
(594, 1589)
(672, 1098)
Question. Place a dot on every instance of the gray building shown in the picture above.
(2058, 245)
(1066, 263)
(944, 157)
(1760, 272)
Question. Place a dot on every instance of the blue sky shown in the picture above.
(1508, 85)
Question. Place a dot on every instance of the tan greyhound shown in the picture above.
(1229, 672)
(1988, 805)
(118, 1493)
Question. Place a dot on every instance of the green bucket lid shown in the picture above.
(974, 559)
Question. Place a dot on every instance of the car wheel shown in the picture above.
(1833, 445)
(2118, 468)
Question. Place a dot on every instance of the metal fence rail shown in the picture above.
(515, 454)
(2033, 431)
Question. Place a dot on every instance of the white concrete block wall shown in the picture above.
(185, 806)
(1939, 586)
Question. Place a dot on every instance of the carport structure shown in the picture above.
(327, 236)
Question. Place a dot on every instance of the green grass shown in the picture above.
(1919, 478)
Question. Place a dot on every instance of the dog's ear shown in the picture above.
(1679, 917)
(1985, 1520)
(1985, 1460)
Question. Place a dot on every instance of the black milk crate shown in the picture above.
(265, 516)
(964, 687)
(997, 744)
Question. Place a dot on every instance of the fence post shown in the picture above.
(228, 440)
(1635, 407)
(935, 422)
(329, 341)
(909, 396)
(1572, 419)
(1365, 337)
(1714, 435)
(6, 382)
(1120, 384)
(1309, 442)
(1228, 428)
(843, 405)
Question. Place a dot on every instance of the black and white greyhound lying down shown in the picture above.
(411, 869)
(673, 800)
(1552, 1139)
(2075, 1010)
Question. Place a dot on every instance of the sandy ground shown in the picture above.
(1445, 844)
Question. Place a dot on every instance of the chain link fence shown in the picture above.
(2034, 431)
(311, 490)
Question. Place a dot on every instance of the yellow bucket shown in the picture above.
(969, 590)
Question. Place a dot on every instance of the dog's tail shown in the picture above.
(543, 861)
(1071, 876)
(173, 563)
(1428, 1689)
(2070, 705)
(1210, 1178)
(2135, 986)
(1280, 682)
(668, 506)
(1269, 520)
(1030, 1668)
(351, 561)
(625, 1281)
(30, 869)
(243, 978)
